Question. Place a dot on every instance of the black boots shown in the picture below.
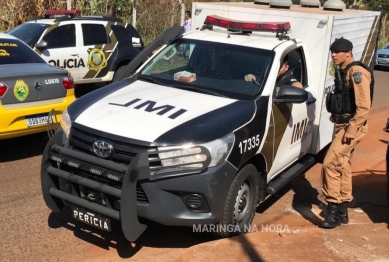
(332, 216)
(343, 214)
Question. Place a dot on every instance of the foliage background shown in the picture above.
(153, 16)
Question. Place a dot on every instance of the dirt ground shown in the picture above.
(29, 231)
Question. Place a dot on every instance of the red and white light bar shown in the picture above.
(247, 26)
(61, 12)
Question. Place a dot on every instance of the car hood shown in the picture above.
(163, 115)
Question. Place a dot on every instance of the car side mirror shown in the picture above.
(41, 45)
(290, 94)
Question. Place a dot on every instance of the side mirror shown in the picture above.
(291, 94)
(41, 45)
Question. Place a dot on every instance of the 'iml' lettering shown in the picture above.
(150, 106)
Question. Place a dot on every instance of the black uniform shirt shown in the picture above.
(286, 79)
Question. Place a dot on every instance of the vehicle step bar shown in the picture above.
(290, 174)
(85, 203)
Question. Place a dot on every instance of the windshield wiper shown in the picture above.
(202, 90)
(152, 80)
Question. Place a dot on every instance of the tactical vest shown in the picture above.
(342, 99)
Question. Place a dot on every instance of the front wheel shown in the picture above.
(241, 203)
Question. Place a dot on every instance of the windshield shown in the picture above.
(211, 67)
(29, 32)
(16, 52)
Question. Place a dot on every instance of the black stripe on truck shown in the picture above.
(249, 137)
(210, 126)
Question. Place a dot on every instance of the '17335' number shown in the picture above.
(249, 144)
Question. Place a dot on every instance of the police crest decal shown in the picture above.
(21, 90)
(96, 59)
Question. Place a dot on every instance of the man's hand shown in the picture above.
(347, 138)
(250, 78)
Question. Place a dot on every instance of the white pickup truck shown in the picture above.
(183, 146)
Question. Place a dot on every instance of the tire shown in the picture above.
(118, 72)
(83, 89)
(241, 203)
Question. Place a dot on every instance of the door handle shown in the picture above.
(74, 54)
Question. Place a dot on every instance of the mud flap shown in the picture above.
(55, 204)
(138, 169)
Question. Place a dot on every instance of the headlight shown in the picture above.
(195, 157)
(220, 148)
(66, 123)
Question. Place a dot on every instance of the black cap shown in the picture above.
(341, 45)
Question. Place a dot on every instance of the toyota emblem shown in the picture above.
(38, 86)
(102, 149)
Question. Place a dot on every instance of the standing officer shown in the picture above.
(349, 105)
(187, 28)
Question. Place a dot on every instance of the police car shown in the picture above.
(29, 89)
(181, 142)
(92, 48)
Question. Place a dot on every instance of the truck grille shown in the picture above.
(123, 152)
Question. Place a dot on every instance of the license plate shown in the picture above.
(381, 62)
(91, 219)
(36, 120)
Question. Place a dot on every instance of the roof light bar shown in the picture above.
(247, 26)
(61, 12)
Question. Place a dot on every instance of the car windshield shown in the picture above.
(16, 52)
(210, 67)
(29, 32)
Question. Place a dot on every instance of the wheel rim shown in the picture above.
(242, 202)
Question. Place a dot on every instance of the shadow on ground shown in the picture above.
(155, 235)
(22, 147)
(304, 198)
(369, 191)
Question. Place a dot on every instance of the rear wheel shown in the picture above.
(241, 203)
(83, 89)
(118, 73)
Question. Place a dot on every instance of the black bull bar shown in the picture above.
(54, 197)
